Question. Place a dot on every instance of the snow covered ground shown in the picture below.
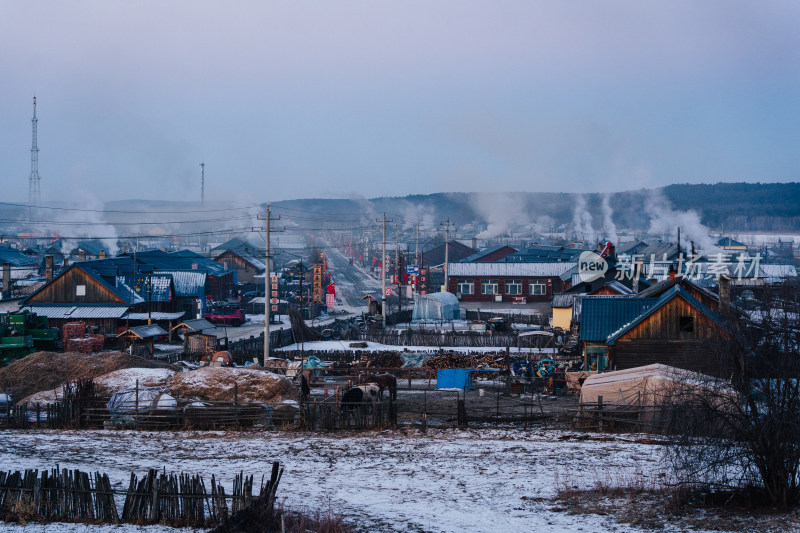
(443, 481)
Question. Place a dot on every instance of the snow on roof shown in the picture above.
(509, 269)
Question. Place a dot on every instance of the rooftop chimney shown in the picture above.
(672, 272)
(724, 294)
(637, 272)
(48, 267)
(6, 281)
(102, 254)
(679, 241)
(81, 255)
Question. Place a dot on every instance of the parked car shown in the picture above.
(228, 314)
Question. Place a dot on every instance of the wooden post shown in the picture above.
(600, 413)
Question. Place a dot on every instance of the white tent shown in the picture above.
(436, 306)
(643, 385)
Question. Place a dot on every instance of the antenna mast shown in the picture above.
(203, 184)
(33, 181)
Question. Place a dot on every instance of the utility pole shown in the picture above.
(383, 274)
(416, 262)
(446, 253)
(267, 299)
(149, 298)
(397, 268)
(416, 250)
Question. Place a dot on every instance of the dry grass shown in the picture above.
(44, 371)
(651, 504)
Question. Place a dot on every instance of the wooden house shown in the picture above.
(83, 293)
(246, 265)
(677, 330)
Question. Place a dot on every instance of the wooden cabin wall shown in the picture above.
(664, 324)
(64, 290)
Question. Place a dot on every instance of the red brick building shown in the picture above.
(508, 282)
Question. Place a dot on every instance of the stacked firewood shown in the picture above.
(385, 360)
(453, 360)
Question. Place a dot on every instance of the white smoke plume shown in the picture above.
(501, 212)
(85, 223)
(666, 220)
(581, 217)
(609, 227)
(414, 213)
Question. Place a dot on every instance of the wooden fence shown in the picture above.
(332, 416)
(177, 500)
(516, 318)
(604, 417)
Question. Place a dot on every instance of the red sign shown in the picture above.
(274, 294)
(273, 300)
(388, 291)
(330, 300)
(274, 307)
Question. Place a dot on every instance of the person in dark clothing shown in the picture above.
(305, 390)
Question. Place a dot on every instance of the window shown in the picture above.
(489, 286)
(466, 286)
(80, 290)
(514, 286)
(538, 287)
(686, 324)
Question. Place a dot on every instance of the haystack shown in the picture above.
(214, 384)
(46, 371)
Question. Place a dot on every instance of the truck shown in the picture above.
(23, 333)
(226, 314)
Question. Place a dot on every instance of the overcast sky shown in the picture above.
(302, 99)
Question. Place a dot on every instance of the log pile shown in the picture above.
(454, 360)
(385, 360)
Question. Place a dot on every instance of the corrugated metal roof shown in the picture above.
(199, 324)
(779, 271)
(485, 252)
(619, 287)
(562, 301)
(78, 312)
(603, 315)
(188, 282)
(544, 254)
(544, 270)
(147, 332)
(155, 315)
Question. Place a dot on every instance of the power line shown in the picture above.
(87, 223)
(120, 237)
(146, 212)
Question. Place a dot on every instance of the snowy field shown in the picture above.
(394, 481)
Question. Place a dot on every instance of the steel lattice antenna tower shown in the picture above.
(202, 183)
(33, 181)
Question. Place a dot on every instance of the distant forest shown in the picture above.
(730, 207)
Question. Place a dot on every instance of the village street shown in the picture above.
(351, 281)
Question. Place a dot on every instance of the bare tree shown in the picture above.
(743, 433)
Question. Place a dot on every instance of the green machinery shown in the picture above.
(24, 333)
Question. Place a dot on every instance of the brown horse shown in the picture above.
(384, 381)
